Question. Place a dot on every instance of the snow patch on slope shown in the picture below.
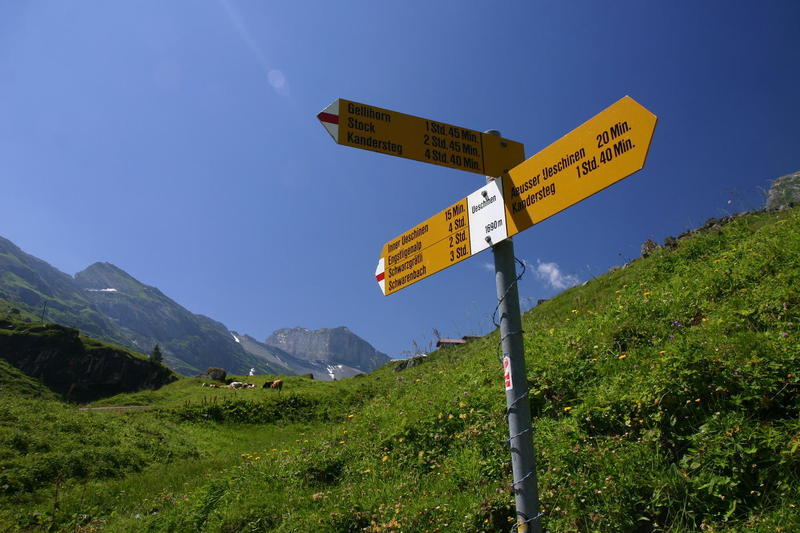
(333, 369)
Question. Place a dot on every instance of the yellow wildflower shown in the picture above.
(568, 409)
(623, 356)
(385, 458)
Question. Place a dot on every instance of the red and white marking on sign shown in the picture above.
(330, 119)
(380, 275)
(507, 372)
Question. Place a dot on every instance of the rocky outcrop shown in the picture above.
(648, 247)
(331, 347)
(217, 374)
(409, 363)
(79, 369)
(784, 192)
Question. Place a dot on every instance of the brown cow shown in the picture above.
(277, 384)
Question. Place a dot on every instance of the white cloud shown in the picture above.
(488, 266)
(551, 275)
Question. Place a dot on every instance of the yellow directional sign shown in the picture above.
(389, 132)
(425, 249)
(460, 231)
(605, 149)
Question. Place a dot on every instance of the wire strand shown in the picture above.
(513, 404)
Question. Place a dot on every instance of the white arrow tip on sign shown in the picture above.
(380, 275)
(330, 119)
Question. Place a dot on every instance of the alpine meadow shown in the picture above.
(664, 395)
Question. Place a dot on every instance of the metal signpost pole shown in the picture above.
(523, 462)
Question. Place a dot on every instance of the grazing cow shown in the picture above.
(241, 385)
(277, 384)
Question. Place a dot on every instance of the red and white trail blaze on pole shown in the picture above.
(380, 275)
(330, 119)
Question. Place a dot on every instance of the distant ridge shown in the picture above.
(107, 303)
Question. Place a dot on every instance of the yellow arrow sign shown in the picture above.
(462, 230)
(425, 249)
(607, 148)
(389, 132)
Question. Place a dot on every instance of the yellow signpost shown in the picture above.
(427, 248)
(389, 132)
(605, 149)
(460, 231)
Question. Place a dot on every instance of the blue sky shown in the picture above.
(178, 140)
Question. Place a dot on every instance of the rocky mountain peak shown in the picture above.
(328, 345)
(106, 277)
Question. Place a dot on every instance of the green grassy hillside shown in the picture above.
(16, 384)
(665, 398)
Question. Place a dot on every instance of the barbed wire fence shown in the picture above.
(509, 442)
